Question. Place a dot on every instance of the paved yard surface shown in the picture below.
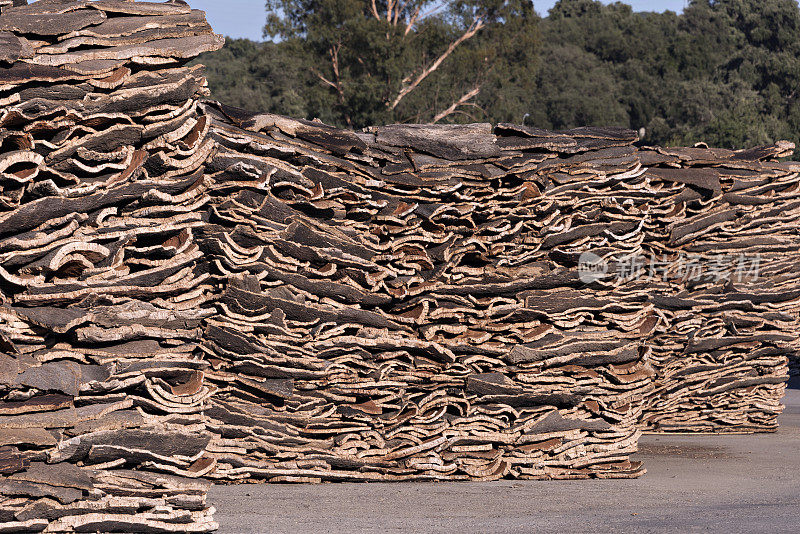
(737, 483)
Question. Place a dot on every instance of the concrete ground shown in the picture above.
(736, 483)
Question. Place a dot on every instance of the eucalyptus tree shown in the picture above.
(404, 60)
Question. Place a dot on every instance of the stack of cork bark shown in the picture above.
(717, 252)
(726, 230)
(195, 291)
(103, 290)
(391, 310)
(474, 240)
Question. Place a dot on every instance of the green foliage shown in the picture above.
(378, 62)
(260, 76)
(725, 72)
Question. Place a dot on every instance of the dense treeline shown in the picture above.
(725, 72)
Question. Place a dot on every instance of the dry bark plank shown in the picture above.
(170, 48)
(452, 142)
(46, 23)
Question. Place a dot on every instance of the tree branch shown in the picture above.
(375, 11)
(401, 6)
(324, 79)
(412, 21)
(471, 31)
(337, 81)
(460, 102)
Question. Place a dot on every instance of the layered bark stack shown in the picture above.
(103, 287)
(502, 218)
(390, 312)
(727, 227)
(190, 290)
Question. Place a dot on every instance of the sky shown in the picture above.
(245, 18)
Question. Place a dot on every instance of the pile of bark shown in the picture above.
(717, 256)
(467, 245)
(726, 227)
(190, 290)
(391, 310)
(103, 285)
